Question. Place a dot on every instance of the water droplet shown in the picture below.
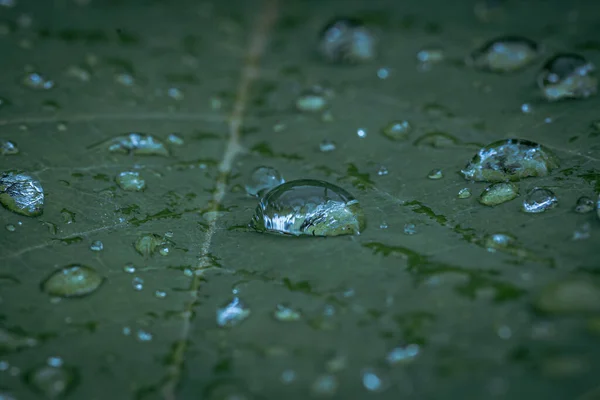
(8, 148)
(539, 200)
(325, 385)
(72, 281)
(97, 246)
(362, 133)
(373, 380)
(309, 207)
(383, 73)
(574, 295)
(567, 76)
(137, 144)
(347, 40)
(504, 332)
(397, 130)
(175, 93)
(526, 108)
(435, 174)
(130, 181)
(382, 170)
(55, 362)
(10, 227)
(37, 81)
(584, 205)
(464, 193)
(160, 294)
(505, 54)
(383, 225)
(498, 193)
(137, 283)
(263, 179)
(232, 313)
(148, 244)
(284, 312)
(143, 336)
(125, 79)
(164, 251)
(52, 382)
(126, 331)
(403, 354)
(288, 376)
(21, 194)
(315, 99)
(510, 160)
(326, 146)
(175, 139)
(431, 55)
(78, 72)
(129, 268)
(410, 229)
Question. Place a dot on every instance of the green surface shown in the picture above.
(472, 312)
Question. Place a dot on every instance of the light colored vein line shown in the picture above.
(115, 117)
(250, 72)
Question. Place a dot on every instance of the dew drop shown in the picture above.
(263, 179)
(498, 193)
(315, 99)
(288, 376)
(464, 193)
(21, 194)
(232, 314)
(435, 174)
(362, 133)
(582, 232)
(34, 80)
(567, 76)
(382, 170)
(373, 380)
(8, 148)
(143, 336)
(10, 227)
(129, 268)
(505, 54)
(397, 130)
(584, 205)
(125, 79)
(510, 160)
(72, 281)
(137, 144)
(175, 139)
(383, 73)
(285, 313)
(526, 108)
(410, 229)
(403, 354)
(347, 40)
(160, 294)
(539, 200)
(175, 93)
(130, 181)
(137, 283)
(309, 207)
(148, 244)
(97, 246)
(327, 146)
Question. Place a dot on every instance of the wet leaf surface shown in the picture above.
(417, 306)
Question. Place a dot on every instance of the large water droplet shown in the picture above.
(263, 179)
(21, 193)
(539, 200)
(505, 54)
(72, 281)
(347, 40)
(567, 76)
(510, 160)
(309, 207)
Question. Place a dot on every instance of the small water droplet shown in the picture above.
(288, 376)
(315, 100)
(284, 312)
(505, 54)
(347, 40)
(383, 225)
(383, 73)
(143, 336)
(382, 170)
(539, 200)
(435, 174)
(160, 294)
(410, 229)
(403, 354)
(130, 181)
(175, 93)
(37, 81)
(8, 148)
(526, 108)
(326, 146)
(325, 385)
(362, 133)
(175, 139)
(126, 331)
(567, 76)
(72, 281)
(51, 382)
(582, 232)
(464, 193)
(504, 332)
(125, 79)
(129, 268)
(97, 246)
(137, 283)
(55, 362)
(232, 313)
(584, 205)
(373, 380)
(10, 227)
(263, 179)
(397, 130)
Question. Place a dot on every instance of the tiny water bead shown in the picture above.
(37, 81)
(21, 194)
(435, 174)
(309, 207)
(8, 148)
(232, 313)
(539, 200)
(347, 41)
(137, 144)
(284, 313)
(498, 193)
(568, 76)
(397, 130)
(504, 54)
(510, 160)
(315, 100)
(584, 205)
(464, 193)
(327, 146)
(262, 179)
(432, 55)
(130, 181)
(72, 281)
(373, 380)
(96, 245)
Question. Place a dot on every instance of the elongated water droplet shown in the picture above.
(72, 281)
